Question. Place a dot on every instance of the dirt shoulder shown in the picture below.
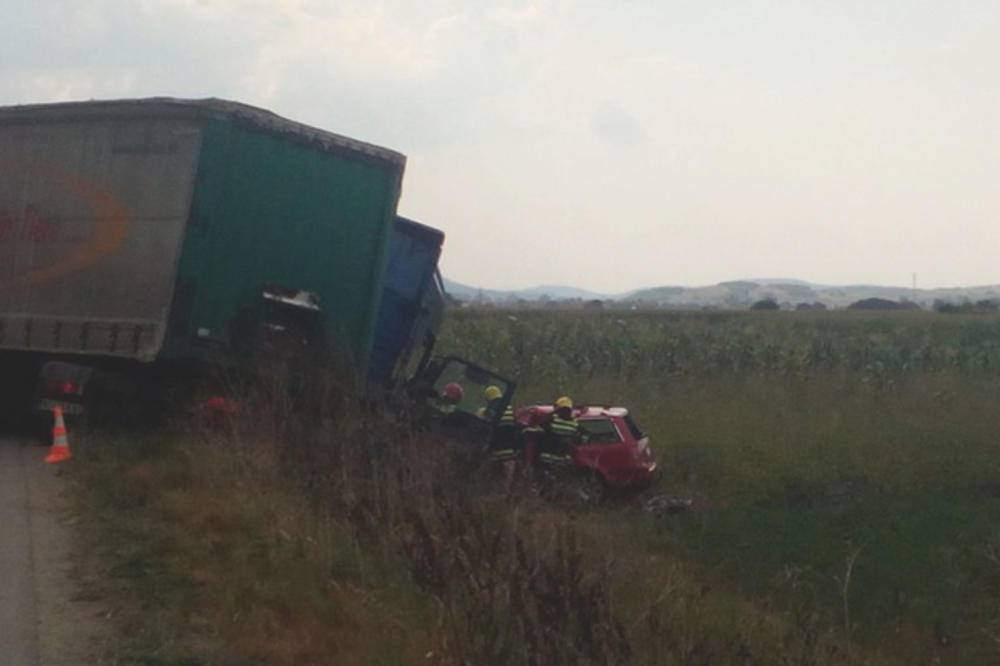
(56, 616)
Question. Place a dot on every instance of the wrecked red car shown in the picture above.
(611, 444)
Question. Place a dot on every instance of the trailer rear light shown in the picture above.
(221, 404)
(63, 387)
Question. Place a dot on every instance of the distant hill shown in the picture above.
(469, 293)
(737, 294)
(788, 293)
(780, 281)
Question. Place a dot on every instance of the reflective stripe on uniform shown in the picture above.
(564, 427)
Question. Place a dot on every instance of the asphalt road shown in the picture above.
(47, 616)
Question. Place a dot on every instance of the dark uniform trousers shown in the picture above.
(506, 444)
(560, 435)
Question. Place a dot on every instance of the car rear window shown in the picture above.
(599, 431)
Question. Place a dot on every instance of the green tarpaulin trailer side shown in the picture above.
(266, 209)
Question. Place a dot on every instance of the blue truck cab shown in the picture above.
(412, 303)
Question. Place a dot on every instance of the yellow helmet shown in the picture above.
(492, 392)
(564, 401)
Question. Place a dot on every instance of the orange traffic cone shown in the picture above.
(60, 444)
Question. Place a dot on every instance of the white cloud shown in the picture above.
(514, 16)
(515, 116)
(611, 123)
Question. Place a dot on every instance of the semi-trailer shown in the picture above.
(144, 236)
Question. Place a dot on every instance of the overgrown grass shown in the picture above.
(312, 530)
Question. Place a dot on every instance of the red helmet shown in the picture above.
(453, 393)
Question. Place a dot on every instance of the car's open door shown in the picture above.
(471, 418)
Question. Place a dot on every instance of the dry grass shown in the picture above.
(314, 529)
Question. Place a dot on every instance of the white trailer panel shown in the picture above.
(92, 215)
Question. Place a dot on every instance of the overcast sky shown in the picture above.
(607, 145)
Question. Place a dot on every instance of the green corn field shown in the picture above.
(540, 346)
